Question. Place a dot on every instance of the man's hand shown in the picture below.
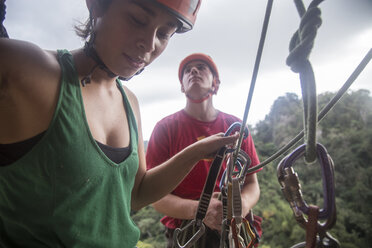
(213, 218)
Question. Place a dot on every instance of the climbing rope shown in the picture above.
(300, 48)
(3, 32)
(367, 58)
(254, 74)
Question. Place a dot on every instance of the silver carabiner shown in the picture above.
(193, 239)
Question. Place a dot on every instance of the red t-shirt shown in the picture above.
(179, 130)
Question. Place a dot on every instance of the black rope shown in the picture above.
(3, 32)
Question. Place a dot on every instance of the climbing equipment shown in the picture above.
(185, 11)
(291, 189)
(290, 185)
(254, 74)
(236, 231)
(208, 60)
(202, 57)
(300, 47)
(206, 195)
(354, 75)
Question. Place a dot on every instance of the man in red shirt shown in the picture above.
(199, 79)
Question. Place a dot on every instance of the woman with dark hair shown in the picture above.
(72, 161)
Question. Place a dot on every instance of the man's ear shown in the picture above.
(216, 85)
(95, 8)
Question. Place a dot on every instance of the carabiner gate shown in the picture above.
(193, 239)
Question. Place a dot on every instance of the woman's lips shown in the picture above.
(136, 63)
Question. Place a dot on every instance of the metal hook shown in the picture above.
(327, 241)
(194, 238)
(291, 187)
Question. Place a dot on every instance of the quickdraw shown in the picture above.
(233, 222)
(206, 195)
(236, 231)
(238, 223)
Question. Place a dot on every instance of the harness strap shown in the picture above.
(311, 227)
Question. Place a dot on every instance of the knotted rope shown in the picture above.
(300, 48)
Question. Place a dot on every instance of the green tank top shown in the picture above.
(65, 192)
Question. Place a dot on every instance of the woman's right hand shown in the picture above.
(209, 146)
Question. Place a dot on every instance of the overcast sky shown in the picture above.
(229, 31)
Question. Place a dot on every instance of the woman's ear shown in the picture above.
(95, 8)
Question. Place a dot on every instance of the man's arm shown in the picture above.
(176, 207)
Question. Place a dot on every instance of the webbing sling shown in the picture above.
(207, 192)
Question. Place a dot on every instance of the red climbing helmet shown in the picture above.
(184, 10)
(205, 58)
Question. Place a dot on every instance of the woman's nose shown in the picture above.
(147, 42)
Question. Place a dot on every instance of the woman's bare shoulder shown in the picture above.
(22, 58)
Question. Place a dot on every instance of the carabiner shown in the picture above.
(235, 229)
(193, 239)
(292, 189)
(224, 234)
(249, 239)
(327, 241)
(249, 234)
(233, 126)
(239, 169)
(323, 242)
